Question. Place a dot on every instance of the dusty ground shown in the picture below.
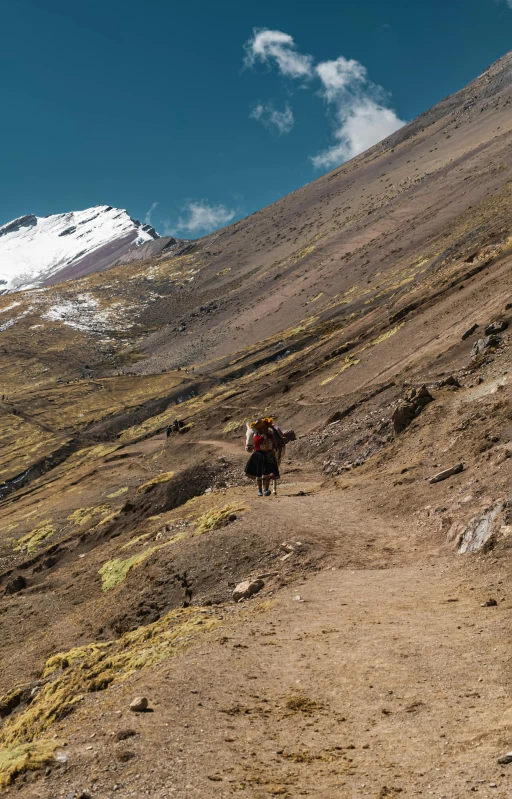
(369, 675)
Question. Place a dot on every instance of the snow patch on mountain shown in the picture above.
(33, 249)
(11, 322)
(83, 313)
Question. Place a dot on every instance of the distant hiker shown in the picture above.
(174, 427)
(266, 442)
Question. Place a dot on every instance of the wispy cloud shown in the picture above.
(359, 108)
(147, 218)
(360, 126)
(200, 217)
(340, 76)
(280, 121)
(277, 47)
(361, 115)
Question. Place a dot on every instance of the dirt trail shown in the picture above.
(376, 676)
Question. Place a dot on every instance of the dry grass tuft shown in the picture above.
(302, 704)
(160, 478)
(69, 676)
(115, 571)
(215, 518)
(29, 542)
(15, 760)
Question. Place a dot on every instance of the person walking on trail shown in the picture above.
(266, 442)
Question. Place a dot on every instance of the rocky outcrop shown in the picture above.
(415, 401)
(484, 346)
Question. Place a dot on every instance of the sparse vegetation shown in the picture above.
(37, 536)
(217, 517)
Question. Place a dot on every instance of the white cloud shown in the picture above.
(281, 121)
(267, 46)
(201, 218)
(147, 218)
(360, 109)
(361, 125)
(339, 76)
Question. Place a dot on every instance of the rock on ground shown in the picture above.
(247, 588)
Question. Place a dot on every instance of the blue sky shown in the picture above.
(205, 112)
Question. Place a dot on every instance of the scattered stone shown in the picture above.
(508, 306)
(506, 759)
(447, 473)
(483, 345)
(415, 401)
(122, 735)
(139, 704)
(16, 585)
(246, 589)
(449, 381)
(491, 603)
(125, 756)
(496, 327)
(469, 332)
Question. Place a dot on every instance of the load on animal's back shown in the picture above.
(267, 442)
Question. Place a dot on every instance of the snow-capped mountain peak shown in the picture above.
(39, 250)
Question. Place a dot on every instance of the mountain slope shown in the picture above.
(369, 311)
(39, 251)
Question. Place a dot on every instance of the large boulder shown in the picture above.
(416, 400)
(247, 588)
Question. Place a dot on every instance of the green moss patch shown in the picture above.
(115, 571)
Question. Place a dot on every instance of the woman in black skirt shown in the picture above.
(263, 465)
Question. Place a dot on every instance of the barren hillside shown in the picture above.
(369, 311)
